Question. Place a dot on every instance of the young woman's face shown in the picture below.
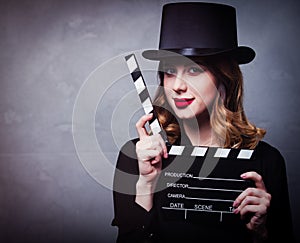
(189, 88)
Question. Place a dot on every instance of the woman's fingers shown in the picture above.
(259, 191)
(253, 203)
(255, 209)
(252, 196)
(163, 146)
(155, 143)
(142, 132)
(254, 176)
(149, 150)
(140, 125)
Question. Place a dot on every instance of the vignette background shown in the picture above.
(48, 49)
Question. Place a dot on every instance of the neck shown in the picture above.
(199, 132)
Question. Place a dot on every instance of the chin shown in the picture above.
(185, 115)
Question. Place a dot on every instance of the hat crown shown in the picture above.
(199, 29)
(198, 25)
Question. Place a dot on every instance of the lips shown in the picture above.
(183, 102)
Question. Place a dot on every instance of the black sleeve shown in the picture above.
(279, 219)
(134, 222)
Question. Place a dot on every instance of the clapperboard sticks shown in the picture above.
(156, 127)
(199, 194)
(144, 95)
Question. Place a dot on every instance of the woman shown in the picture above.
(200, 104)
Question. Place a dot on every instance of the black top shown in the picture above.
(182, 215)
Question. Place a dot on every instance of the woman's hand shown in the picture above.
(254, 202)
(149, 150)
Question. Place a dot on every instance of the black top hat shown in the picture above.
(196, 29)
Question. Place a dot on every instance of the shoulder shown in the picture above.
(127, 159)
(128, 148)
(266, 149)
(270, 156)
(126, 171)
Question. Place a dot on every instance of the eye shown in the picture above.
(170, 71)
(195, 70)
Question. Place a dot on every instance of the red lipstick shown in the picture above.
(183, 102)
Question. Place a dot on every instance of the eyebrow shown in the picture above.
(186, 64)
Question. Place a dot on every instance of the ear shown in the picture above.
(222, 91)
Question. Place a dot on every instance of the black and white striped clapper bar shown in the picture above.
(186, 195)
(144, 95)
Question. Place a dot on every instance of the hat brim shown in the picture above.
(241, 54)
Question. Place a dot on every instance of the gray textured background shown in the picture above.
(48, 49)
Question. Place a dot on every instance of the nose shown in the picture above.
(179, 84)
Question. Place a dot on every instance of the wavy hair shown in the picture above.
(228, 119)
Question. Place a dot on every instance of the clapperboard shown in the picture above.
(185, 194)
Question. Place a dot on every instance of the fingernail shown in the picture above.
(236, 211)
(243, 175)
(235, 204)
(154, 161)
